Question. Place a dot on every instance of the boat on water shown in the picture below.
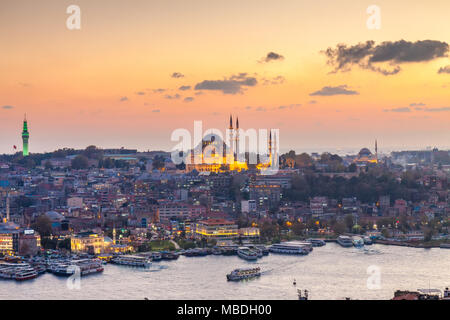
(132, 261)
(17, 271)
(422, 294)
(258, 251)
(244, 273)
(293, 247)
(156, 256)
(247, 254)
(83, 266)
(303, 295)
(316, 242)
(345, 241)
(264, 249)
(229, 251)
(367, 240)
(358, 242)
(23, 274)
(195, 252)
(444, 246)
(168, 255)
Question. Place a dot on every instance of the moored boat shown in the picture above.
(292, 247)
(132, 261)
(345, 241)
(247, 254)
(316, 242)
(367, 240)
(358, 242)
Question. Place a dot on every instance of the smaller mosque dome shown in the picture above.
(364, 152)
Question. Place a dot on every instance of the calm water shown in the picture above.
(329, 272)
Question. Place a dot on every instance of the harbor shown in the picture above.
(327, 272)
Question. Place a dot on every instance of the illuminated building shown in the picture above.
(14, 240)
(88, 242)
(249, 233)
(25, 136)
(365, 156)
(216, 229)
(213, 155)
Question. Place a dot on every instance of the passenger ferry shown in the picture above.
(317, 242)
(86, 267)
(17, 271)
(23, 274)
(358, 242)
(241, 274)
(367, 240)
(167, 255)
(247, 254)
(301, 248)
(345, 241)
(258, 251)
(156, 256)
(133, 261)
(264, 250)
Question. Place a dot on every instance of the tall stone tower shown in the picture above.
(25, 136)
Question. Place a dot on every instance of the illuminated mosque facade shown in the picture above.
(214, 155)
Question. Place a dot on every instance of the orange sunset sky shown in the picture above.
(100, 85)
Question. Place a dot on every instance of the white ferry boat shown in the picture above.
(133, 261)
(367, 240)
(301, 248)
(358, 242)
(241, 274)
(23, 274)
(317, 242)
(86, 266)
(247, 254)
(17, 271)
(345, 241)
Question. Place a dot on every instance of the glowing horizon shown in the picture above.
(100, 85)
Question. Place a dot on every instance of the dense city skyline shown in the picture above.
(133, 74)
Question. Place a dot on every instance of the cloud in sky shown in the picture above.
(232, 85)
(366, 55)
(160, 90)
(443, 109)
(140, 93)
(7, 107)
(177, 75)
(334, 91)
(400, 110)
(419, 104)
(445, 69)
(170, 97)
(122, 99)
(274, 80)
(156, 111)
(184, 88)
(272, 56)
(188, 99)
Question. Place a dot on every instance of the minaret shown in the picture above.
(231, 137)
(270, 144)
(7, 206)
(25, 136)
(237, 139)
(114, 234)
(376, 150)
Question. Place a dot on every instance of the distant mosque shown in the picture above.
(214, 155)
(365, 156)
